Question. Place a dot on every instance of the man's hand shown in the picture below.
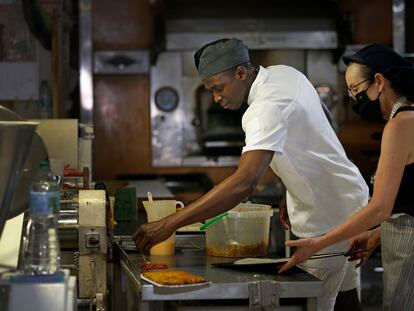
(252, 166)
(150, 234)
(305, 248)
(283, 215)
(368, 240)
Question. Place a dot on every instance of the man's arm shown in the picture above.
(283, 214)
(227, 194)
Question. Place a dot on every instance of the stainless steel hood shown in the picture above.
(190, 34)
(294, 24)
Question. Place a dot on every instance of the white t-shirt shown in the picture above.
(285, 115)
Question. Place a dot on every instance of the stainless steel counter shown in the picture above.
(262, 289)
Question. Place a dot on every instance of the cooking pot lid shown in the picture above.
(250, 210)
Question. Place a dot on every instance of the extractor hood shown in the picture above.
(295, 24)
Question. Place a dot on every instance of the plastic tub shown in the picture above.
(244, 232)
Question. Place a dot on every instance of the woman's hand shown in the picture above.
(305, 248)
(368, 240)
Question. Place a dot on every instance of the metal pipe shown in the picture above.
(398, 26)
(85, 53)
(86, 86)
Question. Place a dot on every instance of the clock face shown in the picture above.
(166, 99)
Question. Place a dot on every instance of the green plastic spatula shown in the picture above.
(213, 220)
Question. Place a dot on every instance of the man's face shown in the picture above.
(228, 88)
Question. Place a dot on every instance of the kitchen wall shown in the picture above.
(122, 123)
(371, 20)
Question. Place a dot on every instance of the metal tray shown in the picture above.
(279, 261)
(169, 289)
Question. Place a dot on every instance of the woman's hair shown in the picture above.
(400, 82)
(402, 90)
(366, 72)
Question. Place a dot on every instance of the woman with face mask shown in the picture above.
(381, 83)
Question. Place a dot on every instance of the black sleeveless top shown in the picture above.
(404, 203)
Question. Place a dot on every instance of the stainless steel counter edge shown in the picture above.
(289, 287)
(213, 291)
(227, 291)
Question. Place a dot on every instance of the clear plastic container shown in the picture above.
(244, 232)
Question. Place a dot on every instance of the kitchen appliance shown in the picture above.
(36, 153)
(243, 232)
(83, 235)
(15, 141)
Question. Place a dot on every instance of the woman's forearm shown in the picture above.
(364, 219)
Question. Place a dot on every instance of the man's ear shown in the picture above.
(241, 73)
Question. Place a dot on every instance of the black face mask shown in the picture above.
(368, 110)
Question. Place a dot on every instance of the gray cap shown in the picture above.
(219, 56)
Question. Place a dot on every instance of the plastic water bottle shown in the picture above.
(45, 100)
(42, 252)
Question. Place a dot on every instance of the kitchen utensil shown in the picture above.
(278, 261)
(156, 210)
(149, 195)
(244, 232)
(213, 220)
(195, 285)
(175, 288)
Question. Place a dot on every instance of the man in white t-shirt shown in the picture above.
(285, 129)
